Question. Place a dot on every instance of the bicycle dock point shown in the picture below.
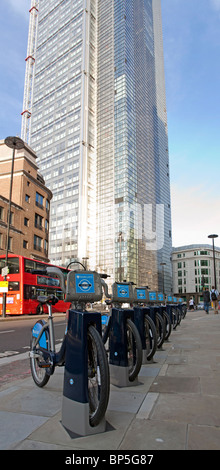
(118, 359)
(141, 297)
(75, 405)
(172, 306)
(156, 309)
(83, 287)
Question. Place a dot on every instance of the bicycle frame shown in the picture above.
(56, 359)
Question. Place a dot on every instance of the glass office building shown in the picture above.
(99, 127)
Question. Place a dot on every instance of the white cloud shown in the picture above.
(195, 214)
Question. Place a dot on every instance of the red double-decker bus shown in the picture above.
(24, 287)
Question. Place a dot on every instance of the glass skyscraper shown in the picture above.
(99, 127)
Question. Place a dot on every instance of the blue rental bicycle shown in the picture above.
(44, 358)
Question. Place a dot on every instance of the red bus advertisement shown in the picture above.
(24, 287)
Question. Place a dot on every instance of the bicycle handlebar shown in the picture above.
(52, 270)
(105, 286)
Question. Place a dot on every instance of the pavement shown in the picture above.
(174, 406)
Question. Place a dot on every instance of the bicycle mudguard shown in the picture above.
(36, 330)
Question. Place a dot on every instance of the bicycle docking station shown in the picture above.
(82, 287)
(171, 304)
(118, 354)
(155, 300)
(141, 297)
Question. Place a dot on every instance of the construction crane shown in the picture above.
(29, 72)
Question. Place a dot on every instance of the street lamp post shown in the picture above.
(213, 248)
(14, 143)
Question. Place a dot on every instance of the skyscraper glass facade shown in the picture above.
(99, 129)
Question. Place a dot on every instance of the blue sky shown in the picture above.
(191, 31)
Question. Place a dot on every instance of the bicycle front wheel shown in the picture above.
(168, 326)
(151, 337)
(39, 373)
(98, 377)
(160, 328)
(134, 349)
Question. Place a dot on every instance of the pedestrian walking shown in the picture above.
(214, 298)
(206, 299)
(191, 303)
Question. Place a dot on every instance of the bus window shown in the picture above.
(13, 285)
(30, 292)
(28, 265)
(13, 265)
(60, 295)
(41, 266)
(48, 281)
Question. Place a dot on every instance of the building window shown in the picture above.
(39, 201)
(11, 218)
(27, 198)
(37, 243)
(10, 243)
(1, 213)
(25, 244)
(1, 240)
(179, 265)
(204, 262)
(179, 255)
(38, 221)
(47, 205)
(26, 222)
(45, 246)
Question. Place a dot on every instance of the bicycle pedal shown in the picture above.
(44, 365)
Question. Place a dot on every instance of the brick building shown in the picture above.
(30, 207)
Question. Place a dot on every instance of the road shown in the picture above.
(15, 334)
(15, 344)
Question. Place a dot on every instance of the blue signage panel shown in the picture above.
(169, 298)
(85, 284)
(141, 294)
(152, 296)
(160, 297)
(122, 291)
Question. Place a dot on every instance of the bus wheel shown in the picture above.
(39, 310)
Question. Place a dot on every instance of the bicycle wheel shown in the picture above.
(184, 310)
(39, 373)
(168, 326)
(174, 318)
(160, 328)
(98, 377)
(151, 337)
(134, 348)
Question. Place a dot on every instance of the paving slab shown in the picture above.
(203, 438)
(53, 433)
(154, 435)
(167, 384)
(188, 409)
(16, 427)
(34, 401)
